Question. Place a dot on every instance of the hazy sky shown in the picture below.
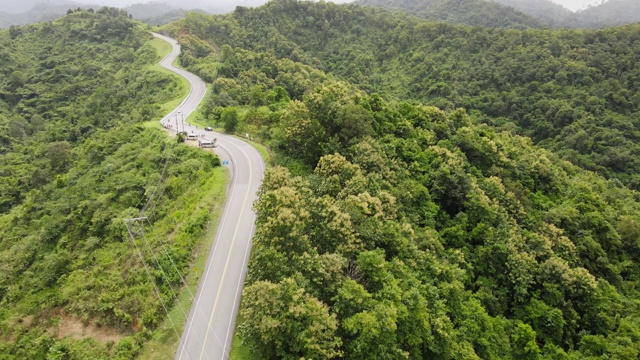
(17, 6)
(569, 4)
(574, 5)
(23, 5)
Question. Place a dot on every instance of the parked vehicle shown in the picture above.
(208, 128)
(192, 136)
(206, 143)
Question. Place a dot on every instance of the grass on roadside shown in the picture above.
(196, 117)
(266, 154)
(163, 49)
(239, 350)
(164, 340)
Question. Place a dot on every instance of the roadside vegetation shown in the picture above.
(75, 161)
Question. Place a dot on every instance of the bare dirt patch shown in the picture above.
(75, 329)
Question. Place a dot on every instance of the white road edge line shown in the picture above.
(215, 247)
(233, 241)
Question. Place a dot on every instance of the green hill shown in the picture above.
(610, 13)
(75, 160)
(469, 12)
(404, 230)
(546, 11)
(574, 92)
(516, 13)
(606, 14)
(155, 13)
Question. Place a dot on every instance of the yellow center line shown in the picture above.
(233, 240)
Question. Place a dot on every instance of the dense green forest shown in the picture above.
(399, 229)
(469, 12)
(434, 238)
(572, 91)
(75, 161)
(448, 192)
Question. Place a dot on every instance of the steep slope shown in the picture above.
(575, 92)
(469, 12)
(75, 161)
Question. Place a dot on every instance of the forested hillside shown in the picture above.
(74, 162)
(402, 230)
(611, 13)
(574, 92)
(546, 11)
(516, 13)
(469, 12)
(155, 13)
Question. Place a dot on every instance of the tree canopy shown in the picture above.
(404, 226)
(469, 12)
(574, 92)
(75, 162)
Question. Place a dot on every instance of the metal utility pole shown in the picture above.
(182, 116)
(177, 123)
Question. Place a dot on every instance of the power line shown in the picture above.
(141, 231)
(183, 281)
(155, 189)
(175, 268)
(153, 205)
(155, 259)
(162, 175)
(146, 268)
(156, 136)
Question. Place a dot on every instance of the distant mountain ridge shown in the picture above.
(22, 6)
(469, 12)
(611, 13)
(545, 11)
(516, 13)
(153, 13)
(38, 13)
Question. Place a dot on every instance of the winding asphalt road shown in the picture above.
(209, 329)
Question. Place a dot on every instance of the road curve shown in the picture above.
(209, 329)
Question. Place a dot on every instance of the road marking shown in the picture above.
(210, 262)
(246, 253)
(197, 83)
(238, 287)
(233, 240)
